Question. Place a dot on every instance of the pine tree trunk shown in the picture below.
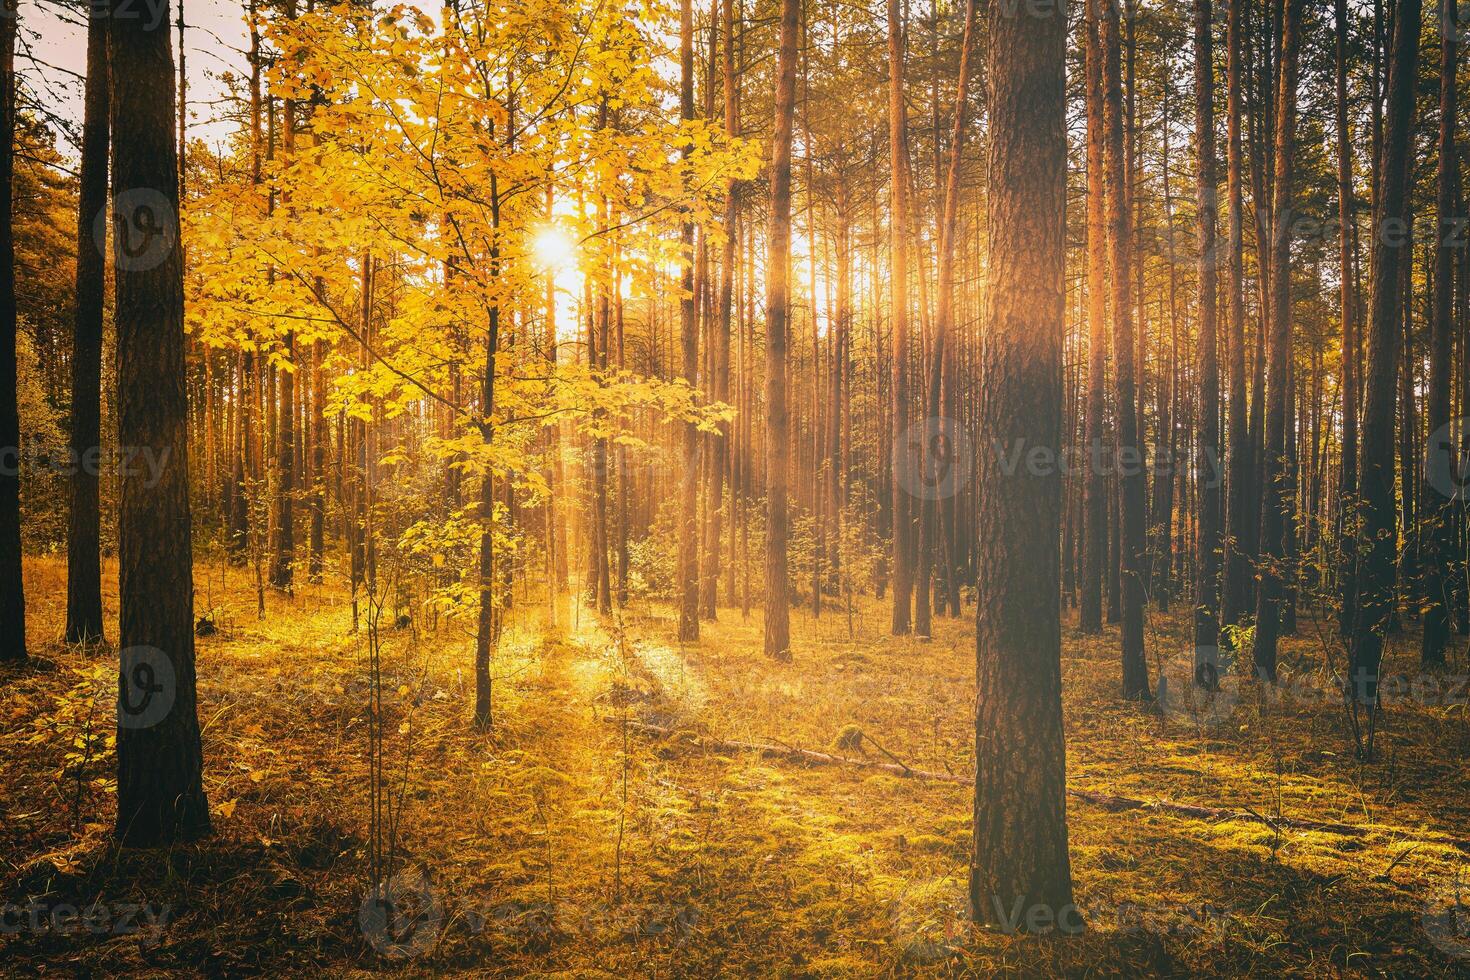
(1275, 477)
(317, 421)
(1346, 557)
(938, 439)
(83, 561)
(720, 444)
(242, 476)
(1375, 541)
(12, 589)
(160, 793)
(778, 274)
(689, 345)
(1207, 541)
(1095, 546)
(283, 551)
(838, 464)
(1020, 827)
(620, 544)
(1160, 565)
(901, 462)
(1129, 459)
(1408, 440)
(1438, 528)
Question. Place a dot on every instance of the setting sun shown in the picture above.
(554, 249)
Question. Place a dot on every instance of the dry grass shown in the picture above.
(563, 845)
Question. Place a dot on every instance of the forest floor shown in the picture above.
(573, 842)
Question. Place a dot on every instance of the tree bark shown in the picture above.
(1207, 530)
(778, 274)
(1346, 557)
(283, 551)
(12, 589)
(160, 793)
(1275, 476)
(1438, 528)
(1129, 458)
(1236, 580)
(1095, 546)
(487, 627)
(1375, 538)
(901, 461)
(938, 437)
(689, 346)
(83, 558)
(1020, 818)
(720, 444)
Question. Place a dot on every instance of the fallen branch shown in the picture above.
(791, 752)
(1105, 801)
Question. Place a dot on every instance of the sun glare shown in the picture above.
(554, 248)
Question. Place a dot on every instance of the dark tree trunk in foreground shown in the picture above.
(12, 590)
(83, 559)
(1376, 551)
(1346, 558)
(1275, 476)
(160, 795)
(1095, 521)
(1207, 530)
(1438, 527)
(778, 275)
(1129, 458)
(1022, 872)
